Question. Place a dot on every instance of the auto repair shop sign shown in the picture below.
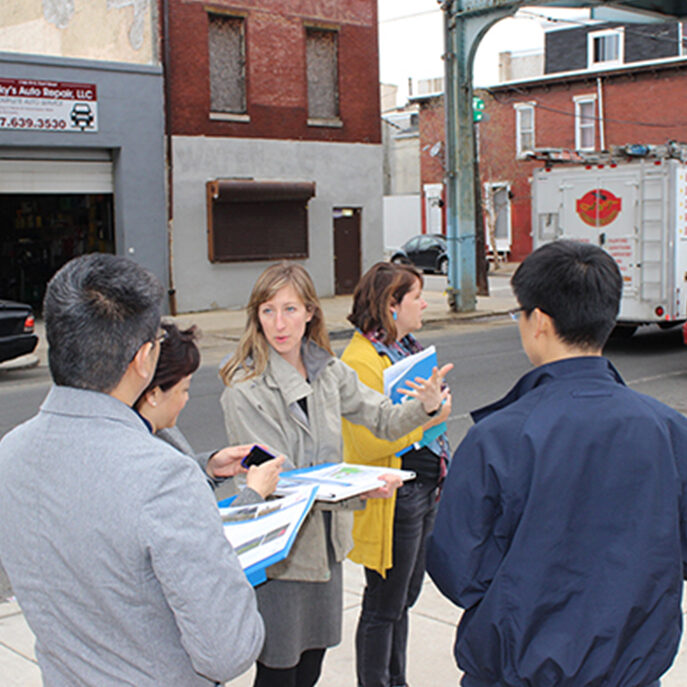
(29, 104)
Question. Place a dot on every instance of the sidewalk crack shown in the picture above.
(18, 653)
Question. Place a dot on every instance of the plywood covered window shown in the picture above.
(322, 58)
(227, 53)
(257, 220)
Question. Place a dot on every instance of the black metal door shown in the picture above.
(346, 249)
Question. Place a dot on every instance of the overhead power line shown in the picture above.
(567, 113)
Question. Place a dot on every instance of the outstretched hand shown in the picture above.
(430, 392)
(391, 483)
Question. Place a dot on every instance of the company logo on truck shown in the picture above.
(598, 208)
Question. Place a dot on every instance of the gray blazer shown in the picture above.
(115, 549)
(265, 409)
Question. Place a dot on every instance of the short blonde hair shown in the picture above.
(253, 350)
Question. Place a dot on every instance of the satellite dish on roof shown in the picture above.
(435, 149)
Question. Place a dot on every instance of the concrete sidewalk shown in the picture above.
(430, 648)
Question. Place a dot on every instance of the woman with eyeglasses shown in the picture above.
(164, 399)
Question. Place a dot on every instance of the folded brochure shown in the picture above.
(339, 481)
(396, 377)
(262, 533)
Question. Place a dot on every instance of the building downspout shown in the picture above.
(171, 293)
(602, 125)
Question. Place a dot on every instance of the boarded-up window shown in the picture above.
(323, 74)
(257, 220)
(227, 51)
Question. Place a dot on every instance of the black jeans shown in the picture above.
(305, 674)
(382, 633)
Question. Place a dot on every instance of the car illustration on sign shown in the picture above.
(82, 116)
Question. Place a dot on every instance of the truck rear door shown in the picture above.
(601, 207)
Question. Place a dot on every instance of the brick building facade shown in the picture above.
(628, 99)
(276, 104)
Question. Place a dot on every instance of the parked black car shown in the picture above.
(16, 330)
(426, 252)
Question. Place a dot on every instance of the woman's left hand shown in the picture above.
(227, 461)
(391, 483)
(430, 392)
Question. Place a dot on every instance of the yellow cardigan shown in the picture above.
(373, 526)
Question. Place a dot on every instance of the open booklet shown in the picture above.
(396, 377)
(338, 481)
(262, 533)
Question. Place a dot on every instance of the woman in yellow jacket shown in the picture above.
(390, 534)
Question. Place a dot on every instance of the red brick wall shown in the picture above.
(432, 130)
(431, 124)
(275, 62)
(656, 97)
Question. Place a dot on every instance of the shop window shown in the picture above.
(257, 220)
(524, 128)
(605, 48)
(585, 122)
(321, 48)
(227, 56)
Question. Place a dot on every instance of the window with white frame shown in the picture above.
(524, 128)
(605, 48)
(585, 122)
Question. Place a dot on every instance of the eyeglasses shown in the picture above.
(161, 336)
(515, 314)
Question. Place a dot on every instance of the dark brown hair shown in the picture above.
(383, 285)
(179, 357)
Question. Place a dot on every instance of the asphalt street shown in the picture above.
(487, 358)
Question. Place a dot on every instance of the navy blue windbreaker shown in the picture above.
(562, 533)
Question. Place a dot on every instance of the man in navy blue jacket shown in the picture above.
(562, 527)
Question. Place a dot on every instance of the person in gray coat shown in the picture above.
(165, 397)
(111, 538)
(286, 390)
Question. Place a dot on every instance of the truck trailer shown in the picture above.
(636, 210)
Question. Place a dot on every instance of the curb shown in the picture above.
(23, 362)
(339, 332)
(456, 318)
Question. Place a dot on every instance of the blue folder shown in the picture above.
(422, 369)
(256, 573)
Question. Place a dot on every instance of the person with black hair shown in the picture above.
(563, 527)
(111, 539)
(164, 398)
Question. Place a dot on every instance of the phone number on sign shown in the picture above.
(30, 123)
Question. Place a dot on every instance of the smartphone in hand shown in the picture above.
(256, 456)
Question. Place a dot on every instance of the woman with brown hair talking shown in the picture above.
(389, 535)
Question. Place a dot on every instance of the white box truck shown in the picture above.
(637, 211)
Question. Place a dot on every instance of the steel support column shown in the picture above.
(462, 33)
